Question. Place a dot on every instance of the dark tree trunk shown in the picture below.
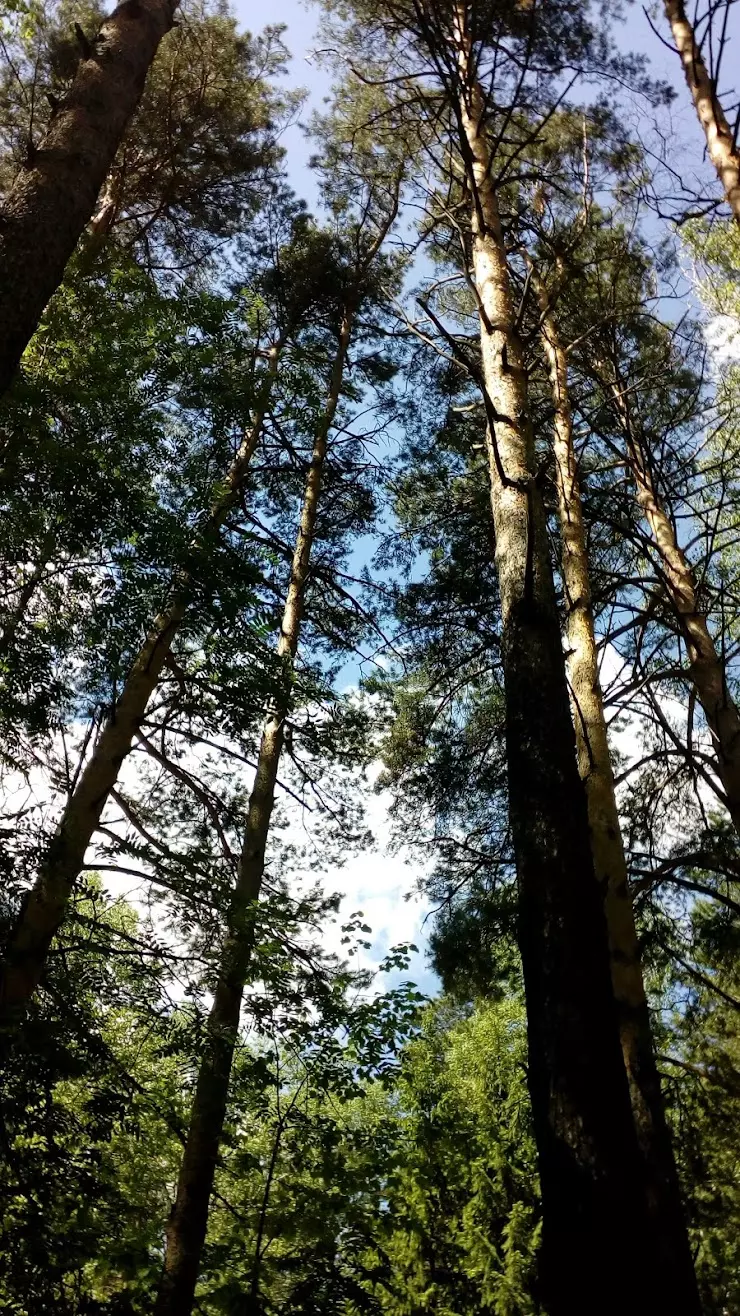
(669, 1233)
(54, 194)
(595, 1257)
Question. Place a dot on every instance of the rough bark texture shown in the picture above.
(706, 667)
(186, 1228)
(720, 146)
(43, 911)
(668, 1225)
(594, 1213)
(54, 194)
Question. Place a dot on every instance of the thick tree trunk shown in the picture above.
(55, 192)
(594, 1213)
(186, 1229)
(706, 667)
(47, 901)
(720, 145)
(668, 1225)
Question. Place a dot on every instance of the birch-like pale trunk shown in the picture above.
(108, 208)
(47, 901)
(706, 666)
(668, 1224)
(594, 1210)
(186, 1228)
(54, 193)
(721, 147)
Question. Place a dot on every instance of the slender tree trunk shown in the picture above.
(27, 591)
(47, 901)
(594, 1213)
(108, 207)
(55, 192)
(668, 1225)
(706, 666)
(186, 1229)
(719, 137)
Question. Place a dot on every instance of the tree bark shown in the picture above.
(668, 1224)
(54, 194)
(108, 207)
(186, 1229)
(594, 1212)
(47, 901)
(719, 137)
(706, 667)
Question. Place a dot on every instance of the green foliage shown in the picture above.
(701, 1058)
(109, 448)
(88, 1147)
(461, 1225)
(200, 154)
(378, 1155)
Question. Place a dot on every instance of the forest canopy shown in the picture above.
(400, 529)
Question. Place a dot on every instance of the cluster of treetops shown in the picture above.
(436, 491)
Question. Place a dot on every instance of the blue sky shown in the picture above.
(300, 20)
(635, 34)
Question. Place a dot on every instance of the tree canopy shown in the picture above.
(421, 507)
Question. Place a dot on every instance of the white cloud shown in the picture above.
(722, 335)
(381, 881)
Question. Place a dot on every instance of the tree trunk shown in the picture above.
(27, 591)
(594, 1213)
(47, 901)
(706, 667)
(668, 1225)
(54, 194)
(186, 1229)
(108, 207)
(719, 137)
